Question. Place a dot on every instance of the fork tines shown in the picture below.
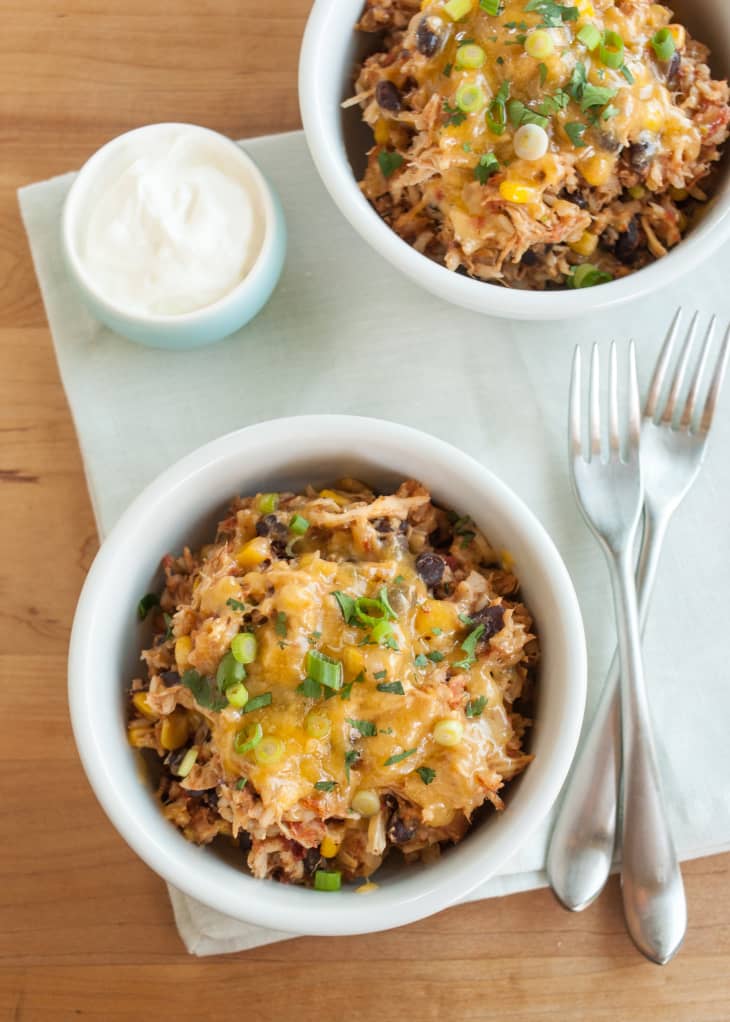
(608, 447)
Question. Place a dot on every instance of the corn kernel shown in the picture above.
(436, 614)
(515, 191)
(381, 131)
(138, 736)
(597, 169)
(458, 9)
(341, 499)
(183, 649)
(175, 730)
(585, 245)
(353, 662)
(653, 116)
(448, 731)
(253, 553)
(679, 35)
(585, 8)
(366, 802)
(329, 847)
(293, 599)
(637, 191)
(142, 706)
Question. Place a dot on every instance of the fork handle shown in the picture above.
(651, 882)
(582, 842)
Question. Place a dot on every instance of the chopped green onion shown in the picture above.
(324, 669)
(588, 275)
(237, 695)
(470, 98)
(310, 689)
(346, 604)
(258, 702)
(575, 131)
(383, 597)
(627, 74)
(497, 112)
(458, 9)
(663, 44)
(317, 725)
(248, 739)
(327, 880)
(395, 687)
(146, 604)
(392, 760)
(589, 36)
(241, 783)
(389, 162)
(298, 525)
(235, 605)
(470, 56)
(230, 672)
(492, 7)
(280, 625)
(267, 503)
(426, 774)
(539, 44)
(475, 706)
(363, 607)
(366, 727)
(542, 68)
(611, 50)
(488, 165)
(269, 750)
(244, 647)
(382, 634)
(325, 785)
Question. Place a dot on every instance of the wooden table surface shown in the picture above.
(86, 930)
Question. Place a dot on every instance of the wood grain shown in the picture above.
(86, 929)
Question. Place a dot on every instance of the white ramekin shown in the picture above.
(202, 326)
(182, 507)
(338, 142)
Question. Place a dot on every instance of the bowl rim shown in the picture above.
(330, 158)
(291, 911)
(249, 283)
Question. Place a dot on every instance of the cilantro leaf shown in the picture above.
(366, 727)
(475, 706)
(379, 675)
(435, 656)
(426, 774)
(351, 757)
(469, 646)
(578, 80)
(391, 760)
(241, 783)
(280, 625)
(235, 604)
(389, 162)
(456, 116)
(395, 687)
(205, 692)
(595, 95)
(575, 131)
(310, 689)
(627, 74)
(325, 785)
(420, 660)
(488, 165)
(543, 70)
(258, 702)
(346, 604)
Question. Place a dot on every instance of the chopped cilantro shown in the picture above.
(391, 760)
(400, 579)
(168, 626)
(235, 604)
(595, 95)
(466, 146)
(389, 162)
(543, 71)
(346, 691)
(280, 625)
(627, 74)
(310, 688)
(488, 165)
(379, 675)
(551, 104)
(346, 604)
(420, 661)
(258, 702)
(241, 783)
(456, 116)
(609, 112)
(205, 691)
(575, 131)
(146, 604)
(426, 774)
(351, 757)
(500, 60)
(447, 70)
(475, 706)
(437, 631)
(325, 785)
(435, 656)
(578, 80)
(553, 14)
(394, 687)
(386, 731)
(366, 727)
(520, 114)
(469, 646)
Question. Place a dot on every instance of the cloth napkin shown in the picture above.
(344, 332)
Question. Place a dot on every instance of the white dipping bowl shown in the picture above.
(211, 322)
(338, 141)
(182, 507)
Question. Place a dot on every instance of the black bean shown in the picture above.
(492, 617)
(383, 525)
(627, 242)
(399, 832)
(641, 154)
(430, 567)
(244, 840)
(575, 197)
(673, 68)
(312, 859)
(170, 678)
(608, 142)
(387, 96)
(427, 40)
(270, 525)
(529, 258)
(278, 549)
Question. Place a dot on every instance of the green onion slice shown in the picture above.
(243, 647)
(589, 36)
(298, 525)
(230, 672)
(323, 669)
(492, 7)
(258, 702)
(611, 50)
(588, 275)
(327, 880)
(146, 604)
(267, 503)
(663, 44)
(392, 760)
(248, 739)
(470, 98)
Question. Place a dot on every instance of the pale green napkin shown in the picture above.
(344, 332)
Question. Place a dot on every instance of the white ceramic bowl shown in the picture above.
(182, 506)
(212, 322)
(338, 142)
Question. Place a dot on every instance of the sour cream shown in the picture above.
(173, 228)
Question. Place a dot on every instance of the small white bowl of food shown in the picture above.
(523, 158)
(355, 672)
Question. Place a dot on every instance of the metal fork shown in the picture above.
(583, 838)
(609, 491)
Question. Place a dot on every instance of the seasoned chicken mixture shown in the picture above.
(537, 144)
(337, 675)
